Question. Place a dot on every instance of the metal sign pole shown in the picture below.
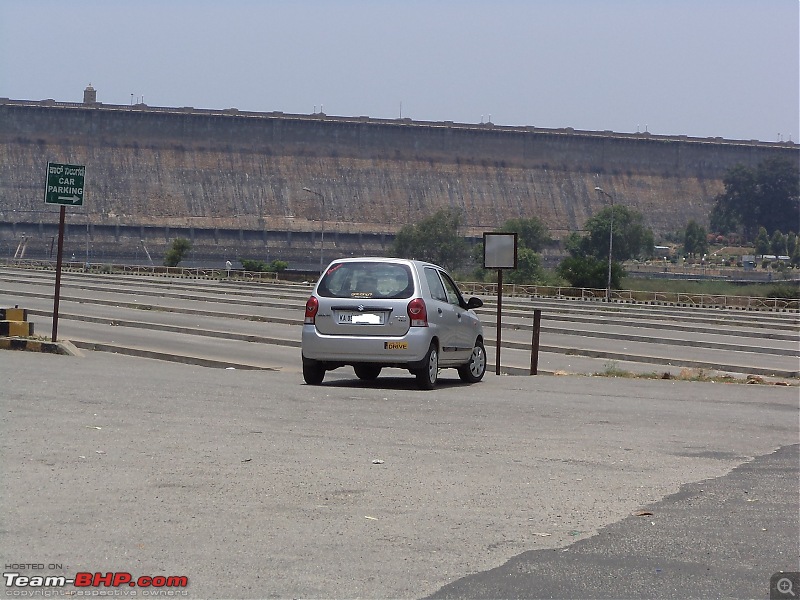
(64, 185)
(499, 252)
(499, 311)
(57, 294)
(537, 326)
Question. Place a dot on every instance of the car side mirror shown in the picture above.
(474, 303)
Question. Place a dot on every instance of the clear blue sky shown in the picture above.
(727, 68)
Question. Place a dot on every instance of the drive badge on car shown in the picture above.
(395, 345)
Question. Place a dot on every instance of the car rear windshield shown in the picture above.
(367, 280)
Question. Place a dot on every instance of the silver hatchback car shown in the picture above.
(372, 313)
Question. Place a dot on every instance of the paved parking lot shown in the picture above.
(254, 485)
(199, 321)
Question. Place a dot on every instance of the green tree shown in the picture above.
(791, 243)
(531, 233)
(762, 241)
(435, 239)
(574, 244)
(777, 243)
(177, 252)
(695, 239)
(732, 208)
(588, 264)
(767, 196)
(589, 272)
(529, 268)
(631, 238)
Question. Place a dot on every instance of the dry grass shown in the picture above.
(686, 374)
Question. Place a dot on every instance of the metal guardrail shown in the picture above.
(636, 297)
(158, 271)
(471, 288)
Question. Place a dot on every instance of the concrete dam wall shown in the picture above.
(234, 181)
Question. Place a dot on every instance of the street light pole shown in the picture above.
(322, 233)
(610, 241)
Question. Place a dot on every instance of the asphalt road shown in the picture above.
(731, 537)
(207, 320)
(254, 485)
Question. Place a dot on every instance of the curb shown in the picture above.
(178, 358)
(17, 343)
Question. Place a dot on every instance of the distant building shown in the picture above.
(665, 251)
(89, 95)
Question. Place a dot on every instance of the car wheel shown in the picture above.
(367, 372)
(473, 371)
(427, 376)
(313, 372)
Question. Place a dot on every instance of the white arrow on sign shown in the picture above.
(73, 199)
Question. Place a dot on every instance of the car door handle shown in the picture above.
(440, 311)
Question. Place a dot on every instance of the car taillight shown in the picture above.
(312, 306)
(418, 313)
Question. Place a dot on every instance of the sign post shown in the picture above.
(499, 252)
(64, 187)
(64, 184)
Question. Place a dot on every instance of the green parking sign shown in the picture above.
(64, 184)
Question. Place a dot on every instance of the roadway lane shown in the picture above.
(691, 319)
(192, 339)
(741, 343)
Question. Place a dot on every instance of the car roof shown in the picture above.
(387, 259)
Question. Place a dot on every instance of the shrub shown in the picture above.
(259, 266)
(784, 291)
(249, 264)
(177, 252)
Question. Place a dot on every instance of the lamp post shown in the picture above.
(322, 233)
(610, 240)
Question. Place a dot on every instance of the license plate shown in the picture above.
(395, 345)
(358, 318)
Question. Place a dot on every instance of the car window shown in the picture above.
(435, 284)
(453, 295)
(366, 280)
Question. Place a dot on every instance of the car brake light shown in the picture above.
(418, 313)
(312, 306)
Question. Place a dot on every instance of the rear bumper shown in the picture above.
(380, 350)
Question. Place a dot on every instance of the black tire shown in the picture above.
(313, 372)
(474, 370)
(427, 375)
(366, 371)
